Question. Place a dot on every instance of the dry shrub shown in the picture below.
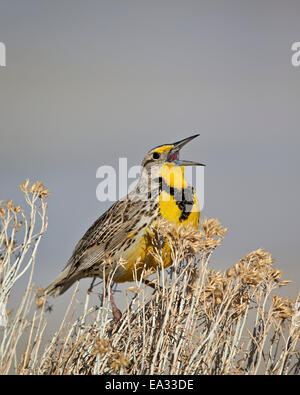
(17, 258)
(196, 321)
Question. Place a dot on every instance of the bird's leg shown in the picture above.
(92, 285)
(116, 312)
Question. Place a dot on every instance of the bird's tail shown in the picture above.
(61, 284)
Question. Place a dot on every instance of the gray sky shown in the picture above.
(88, 82)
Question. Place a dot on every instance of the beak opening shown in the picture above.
(173, 156)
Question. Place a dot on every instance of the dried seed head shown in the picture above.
(41, 298)
(2, 212)
(101, 346)
(40, 301)
(24, 185)
(39, 292)
(38, 188)
(16, 209)
(9, 204)
(282, 308)
(120, 360)
(187, 239)
(229, 273)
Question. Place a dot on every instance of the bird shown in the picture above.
(118, 242)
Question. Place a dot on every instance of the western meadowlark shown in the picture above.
(122, 232)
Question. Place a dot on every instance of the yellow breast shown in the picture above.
(178, 204)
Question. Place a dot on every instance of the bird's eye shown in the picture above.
(156, 155)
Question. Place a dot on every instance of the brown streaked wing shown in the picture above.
(107, 231)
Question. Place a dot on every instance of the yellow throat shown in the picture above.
(175, 195)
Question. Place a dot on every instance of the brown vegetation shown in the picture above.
(196, 321)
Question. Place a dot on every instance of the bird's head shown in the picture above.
(168, 154)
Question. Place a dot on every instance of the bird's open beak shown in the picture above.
(174, 153)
